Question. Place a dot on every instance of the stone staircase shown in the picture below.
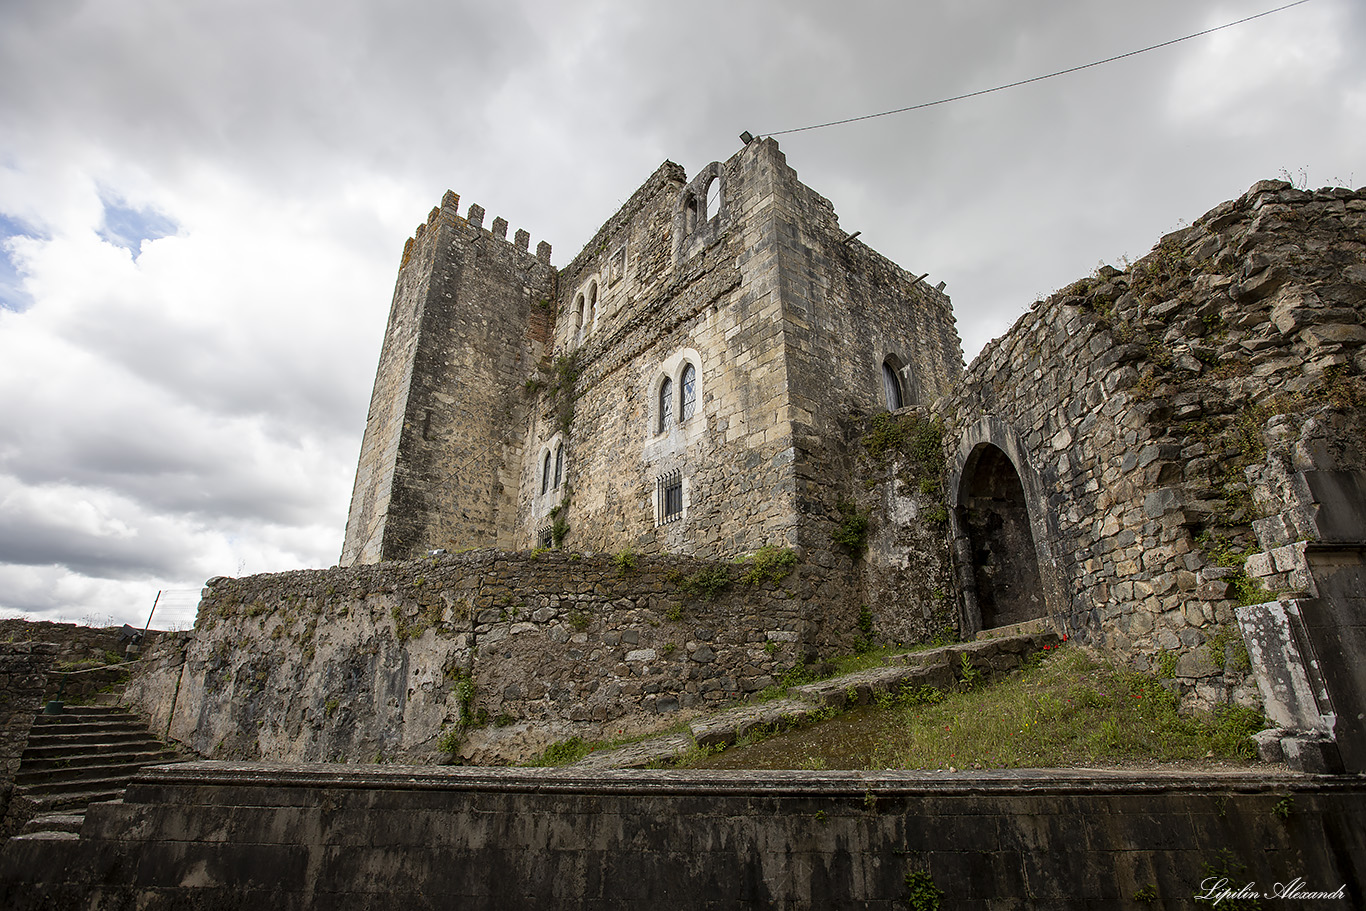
(85, 755)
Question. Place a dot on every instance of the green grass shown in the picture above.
(1069, 710)
(1066, 709)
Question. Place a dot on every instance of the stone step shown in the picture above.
(42, 740)
(108, 708)
(54, 822)
(1023, 628)
(48, 836)
(84, 724)
(77, 750)
(76, 801)
(102, 782)
(45, 776)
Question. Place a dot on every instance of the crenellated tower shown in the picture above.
(472, 315)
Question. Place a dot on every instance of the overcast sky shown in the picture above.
(203, 205)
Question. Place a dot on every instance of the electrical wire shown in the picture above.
(1000, 88)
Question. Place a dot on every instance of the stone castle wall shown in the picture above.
(788, 322)
(442, 447)
(706, 297)
(1152, 418)
(508, 651)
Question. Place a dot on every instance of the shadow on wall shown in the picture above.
(1005, 569)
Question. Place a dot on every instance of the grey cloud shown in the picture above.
(247, 425)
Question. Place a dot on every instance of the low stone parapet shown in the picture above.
(213, 835)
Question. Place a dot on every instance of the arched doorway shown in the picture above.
(1005, 565)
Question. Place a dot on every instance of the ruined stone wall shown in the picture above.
(502, 653)
(901, 573)
(23, 679)
(442, 446)
(1153, 415)
(847, 311)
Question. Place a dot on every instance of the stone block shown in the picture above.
(1259, 565)
(1314, 754)
(1196, 663)
(1289, 558)
(1291, 691)
(1269, 745)
(1160, 502)
(1214, 590)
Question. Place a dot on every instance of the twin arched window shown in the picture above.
(687, 399)
(585, 310)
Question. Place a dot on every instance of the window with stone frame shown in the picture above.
(559, 465)
(545, 472)
(688, 400)
(669, 493)
(666, 405)
(545, 537)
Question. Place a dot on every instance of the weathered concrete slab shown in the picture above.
(726, 727)
(638, 755)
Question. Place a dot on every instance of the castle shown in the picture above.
(561, 469)
(670, 390)
(727, 440)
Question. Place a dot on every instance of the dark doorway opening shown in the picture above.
(1005, 566)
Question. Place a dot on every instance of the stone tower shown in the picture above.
(683, 385)
(439, 462)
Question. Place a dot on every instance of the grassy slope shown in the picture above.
(1066, 709)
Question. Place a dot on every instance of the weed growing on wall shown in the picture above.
(565, 375)
(1222, 551)
(864, 643)
(769, 564)
(921, 892)
(851, 532)
(706, 584)
(625, 562)
(1228, 651)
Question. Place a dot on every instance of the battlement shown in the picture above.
(448, 213)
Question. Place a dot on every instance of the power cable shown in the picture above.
(1000, 88)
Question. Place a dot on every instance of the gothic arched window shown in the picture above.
(545, 473)
(559, 464)
(688, 405)
(666, 404)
